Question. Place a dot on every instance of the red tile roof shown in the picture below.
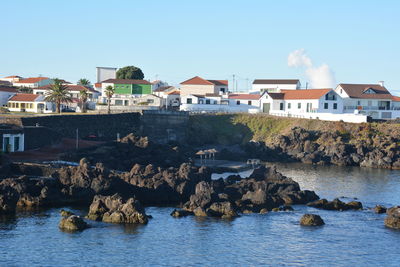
(174, 93)
(266, 81)
(8, 89)
(70, 87)
(24, 97)
(200, 81)
(396, 98)
(244, 96)
(97, 85)
(300, 94)
(33, 80)
(304, 94)
(126, 81)
(358, 91)
(14, 76)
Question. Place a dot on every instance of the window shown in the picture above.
(358, 103)
(289, 105)
(280, 106)
(215, 102)
(238, 102)
(189, 101)
(299, 105)
(249, 103)
(118, 102)
(341, 91)
(150, 101)
(207, 101)
(326, 105)
(334, 105)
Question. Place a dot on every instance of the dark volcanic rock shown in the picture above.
(264, 190)
(392, 219)
(114, 209)
(311, 220)
(380, 209)
(336, 204)
(180, 213)
(72, 223)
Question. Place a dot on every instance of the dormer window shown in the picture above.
(369, 91)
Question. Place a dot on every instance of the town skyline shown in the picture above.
(184, 40)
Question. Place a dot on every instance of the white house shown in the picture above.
(233, 103)
(12, 141)
(200, 86)
(261, 85)
(30, 103)
(157, 84)
(33, 82)
(11, 79)
(172, 99)
(5, 94)
(370, 99)
(300, 102)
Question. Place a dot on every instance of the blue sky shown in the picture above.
(176, 40)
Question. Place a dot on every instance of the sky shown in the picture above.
(346, 41)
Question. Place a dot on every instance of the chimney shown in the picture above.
(382, 83)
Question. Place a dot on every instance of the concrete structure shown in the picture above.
(5, 94)
(33, 82)
(30, 103)
(373, 100)
(200, 86)
(105, 73)
(269, 85)
(11, 138)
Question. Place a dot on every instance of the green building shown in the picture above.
(130, 87)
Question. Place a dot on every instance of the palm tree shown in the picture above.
(109, 93)
(58, 93)
(83, 96)
(84, 82)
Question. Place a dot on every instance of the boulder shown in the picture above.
(222, 209)
(114, 209)
(311, 220)
(180, 213)
(66, 213)
(336, 204)
(380, 209)
(72, 223)
(392, 219)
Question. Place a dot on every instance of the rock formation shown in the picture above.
(311, 220)
(392, 219)
(114, 209)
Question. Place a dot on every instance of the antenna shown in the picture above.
(233, 83)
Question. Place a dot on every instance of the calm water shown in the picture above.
(351, 238)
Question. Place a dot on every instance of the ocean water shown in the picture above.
(349, 238)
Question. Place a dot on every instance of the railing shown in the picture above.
(370, 108)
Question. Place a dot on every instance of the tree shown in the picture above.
(58, 93)
(130, 72)
(84, 82)
(109, 93)
(83, 96)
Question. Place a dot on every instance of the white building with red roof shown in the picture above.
(30, 103)
(11, 79)
(5, 93)
(200, 86)
(33, 82)
(228, 103)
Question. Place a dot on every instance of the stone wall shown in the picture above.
(164, 126)
(104, 126)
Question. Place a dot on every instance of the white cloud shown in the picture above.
(319, 77)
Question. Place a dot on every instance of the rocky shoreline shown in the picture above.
(367, 149)
(119, 196)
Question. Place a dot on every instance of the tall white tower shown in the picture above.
(104, 73)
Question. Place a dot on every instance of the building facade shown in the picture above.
(200, 86)
(260, 86)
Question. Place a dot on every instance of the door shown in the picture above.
(16, 143)
(6, 144)
(266, 107)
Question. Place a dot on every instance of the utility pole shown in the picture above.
(233, 83)
(247, 84)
